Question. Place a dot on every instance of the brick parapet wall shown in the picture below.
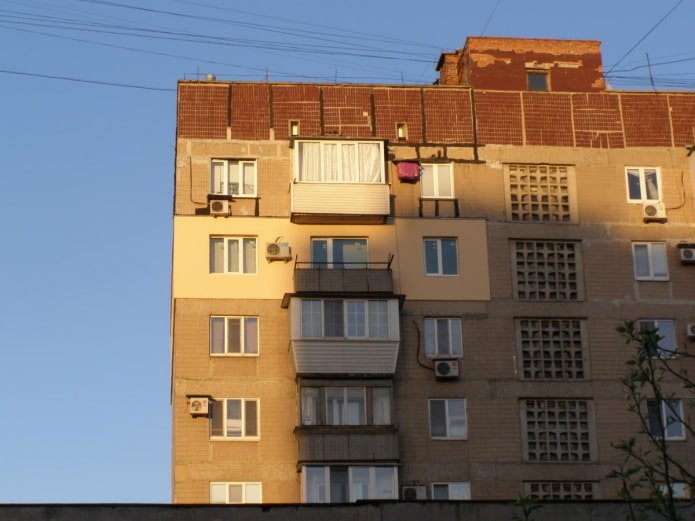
(437, 114)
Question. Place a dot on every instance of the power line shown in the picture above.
(645, 36)
(80, 80)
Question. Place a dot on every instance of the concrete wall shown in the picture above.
(372, 511)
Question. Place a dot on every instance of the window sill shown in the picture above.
(217, 438)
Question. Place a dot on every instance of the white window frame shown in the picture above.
(330, 263)
(455, 490)
(302, 175)
(433, 170)
(324, 486)
(642, 173)
(666, 329)
(440, 252)
(245, 169)
(454, 343)
(242, 242)
(244, 340)
(245, 487)
(366, 325)
(449, 419)
(656, 260)
(671, 413)
(243, 421)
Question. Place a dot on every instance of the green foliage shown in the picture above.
(649, 468)
(528, 506)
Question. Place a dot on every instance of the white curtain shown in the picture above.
(370, 163)
(309, 161)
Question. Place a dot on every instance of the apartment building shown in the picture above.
(387, 292)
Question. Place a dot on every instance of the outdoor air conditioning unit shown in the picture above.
(277, 251)
(653, 212)
(446, 369)
(687, 255)
(690, 330)
(413, 492)
(198, 405)
(219, 207)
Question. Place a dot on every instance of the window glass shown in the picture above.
(537, 81)
(315, 484)
(459, 491)
(234, 418)
(643, 184)
(650, 261)
(216, 255)
(440, 491)
(634, 185)
(311, 318)
(359, 483)
(251, 336)
(431, 257)
(339, 485)
(384, 478)
(356, 318)
(251, 417)
(341, 162)
(232, 255)
(381, 405)
(457, 418)
(443, 337)
(216, 418)
(437, 418)
(218, 493)
(378, 319)
(310, 406)
(449, 264)
(253, 493)
(217, 335)
(333, 318)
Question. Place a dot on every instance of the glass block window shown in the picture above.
(556, 430)
(569, 490)
(550, 349)
(546, 270)
(540, 193)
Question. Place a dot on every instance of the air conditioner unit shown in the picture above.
(445, 369)
(690, 330)
(653, 212)
(198, 405)
(413, 492)
(277, 251)
(687, 255)
(219, 207)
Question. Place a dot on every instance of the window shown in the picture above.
(557, 430)
(649, 259)
(550, 349)
(441, 257)
(233, 177)
(346, 405)
(234, 418)
(233, 335)
(664, 419)
(235, 493)
(538, 80)
(540, 193)
(567, 490)
(340, 161)
(665, 330)
(679, 490)
(448, 419)
(546, 270)
(436, 181)
(443, 337)
(233, 255)
(341, 484)
(345, 318)
(643, 184)
(451, 491)
(339, 253)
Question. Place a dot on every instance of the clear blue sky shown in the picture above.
(87, 171)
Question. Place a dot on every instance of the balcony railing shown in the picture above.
(328, 444)
(343, 277)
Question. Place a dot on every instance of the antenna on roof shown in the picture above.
(649, 67)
